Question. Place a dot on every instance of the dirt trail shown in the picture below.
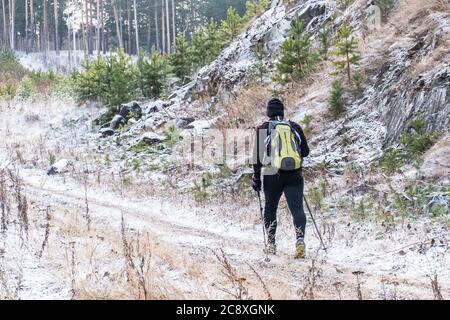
(195, 235)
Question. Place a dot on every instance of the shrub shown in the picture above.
(9, 65)
(27, 88)
(316, 197)
(392, 159)
(297, 58)
(231, 25)
(110, 80)
(173, 136)
(336, 100)
(413, 144)
(181, 59)
(307, 119)
(417, 140)
(153, 75)
(8, 89)
(90, 83)
(207, 43)
(255, 8)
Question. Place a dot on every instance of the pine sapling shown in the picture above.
(297, 57)
(346, 51)
(336, 99)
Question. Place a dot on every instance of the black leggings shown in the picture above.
(291, 183)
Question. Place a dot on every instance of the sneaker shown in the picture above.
(300, 249)
(271, 249)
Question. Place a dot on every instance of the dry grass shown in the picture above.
(238, 283)
(245, 110)
(411, 17)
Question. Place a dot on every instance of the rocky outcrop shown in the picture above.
(232, 68)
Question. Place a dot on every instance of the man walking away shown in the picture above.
(280, 146)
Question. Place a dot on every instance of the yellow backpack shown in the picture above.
(284, 146)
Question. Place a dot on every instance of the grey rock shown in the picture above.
(150, 138)
(117, 121)
(184, 122)
(131, 110)
(61, 166)
(106, 132)
(155, 106)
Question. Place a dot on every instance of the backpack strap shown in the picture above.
(296, 133)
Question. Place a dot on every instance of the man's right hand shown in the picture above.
(256, 183)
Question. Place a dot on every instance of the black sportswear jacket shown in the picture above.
(261, 133)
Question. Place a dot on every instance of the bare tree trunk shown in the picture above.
(103, 35)
(174, 19)
(163, 27)
(33, 26)
(74, 40)
(91, 27)
(45, 37)
(26, 26)
(12, 24)
(98, 28)
(68, 46)
(84, 21)
(88, 27)
(136, 27)
(158, 46)
(129, 44)
(55, 7)
(5, 24)
(117, 18)
(168, 27)
(149, 28)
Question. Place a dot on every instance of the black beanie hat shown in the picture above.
(275, 108)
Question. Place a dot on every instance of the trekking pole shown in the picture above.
(314, 222)
(262, 219)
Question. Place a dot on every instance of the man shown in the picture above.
(278, 181)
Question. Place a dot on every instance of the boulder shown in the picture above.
(106, 132)
(117, 121)
(184, 122)
(61, 166)
(131, 110)
(155, 106)
(150, 138)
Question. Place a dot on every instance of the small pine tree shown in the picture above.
(254, 8)
(207, 42)
(110, 80)
(297, 58)
(324, 38)
(120, 85)
(231, 25)
(181, 59)
(346, 49)
(259, 69)
(154, 74)
(336, 99)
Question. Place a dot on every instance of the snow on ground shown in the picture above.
(40, 61)
(403, 258)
